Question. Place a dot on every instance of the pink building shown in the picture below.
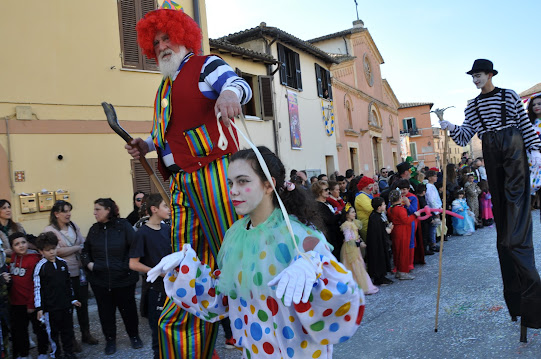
(365, 107)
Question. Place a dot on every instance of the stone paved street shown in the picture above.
(399, 320)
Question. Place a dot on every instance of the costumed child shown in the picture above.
(485, 205)
(401, 235)
(152, 242)
(472, 192)
(378, 259)
(21, 297)
(279, 303)
(466, 226)
(350, 254)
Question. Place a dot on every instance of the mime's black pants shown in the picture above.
(509, 181)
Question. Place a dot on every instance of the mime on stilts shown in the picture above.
(500, 119)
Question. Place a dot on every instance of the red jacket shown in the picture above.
(192, 132)
(22, 276)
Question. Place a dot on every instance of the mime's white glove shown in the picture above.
(297, 279)
(168, 263)
(446, 125)
(535, 158)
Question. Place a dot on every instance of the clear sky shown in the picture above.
(427, 46)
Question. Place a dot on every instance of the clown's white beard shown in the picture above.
(169, 66)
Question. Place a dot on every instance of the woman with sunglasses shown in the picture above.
(331, 220)
(70, 244)
(134, 216)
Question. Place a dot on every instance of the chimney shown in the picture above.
(358, 24)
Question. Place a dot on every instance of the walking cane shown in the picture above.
(439, 113)
(112, 120)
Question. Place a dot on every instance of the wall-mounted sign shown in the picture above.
(19, 176)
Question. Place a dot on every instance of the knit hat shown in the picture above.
(364, 182)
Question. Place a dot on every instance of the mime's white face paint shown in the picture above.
(480, 79)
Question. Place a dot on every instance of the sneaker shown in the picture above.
(136, 342)
(110, 347)
(386, 281)
(429, 252)
(230, 343)
(406, 276)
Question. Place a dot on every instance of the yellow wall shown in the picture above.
(64, 60)
(93, 166)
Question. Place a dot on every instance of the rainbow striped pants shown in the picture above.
(201, 214)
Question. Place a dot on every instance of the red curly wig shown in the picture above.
(181, 28)
(364, 182)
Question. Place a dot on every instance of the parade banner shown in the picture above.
(294, 123)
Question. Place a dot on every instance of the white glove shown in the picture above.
(168, 263)
(535, 158)
(446, 125)
(297, 279)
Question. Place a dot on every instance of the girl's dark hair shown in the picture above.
(152, 200)
(394, 196)
(352, 189)
(459, 192)
(109, 204)
(483, 185)
(135, 208)
(14, 236)
(531, 114)
(296, 201)
(11, 225)
(58, 206)
(451, 172)
(377, 202)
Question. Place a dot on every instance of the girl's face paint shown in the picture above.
(246, 190)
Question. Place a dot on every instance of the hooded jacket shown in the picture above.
(107, 246)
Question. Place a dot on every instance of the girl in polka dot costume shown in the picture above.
(281, 304)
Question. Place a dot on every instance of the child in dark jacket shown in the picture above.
(21, 296)
(53, 296)
(425, 224)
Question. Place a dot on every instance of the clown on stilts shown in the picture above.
(185, 134)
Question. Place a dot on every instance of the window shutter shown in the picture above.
(329, 85)
(282, 59)
(147, 6)
(141, 180)
(319, 83)
(128, 14)
(298, 70)
(405, 125)
(413, 124)
(267, 101)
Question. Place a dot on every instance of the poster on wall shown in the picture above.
(294, 124)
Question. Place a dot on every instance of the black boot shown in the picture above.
(110, 347)
(87, 338)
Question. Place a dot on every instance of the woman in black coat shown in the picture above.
(331, 220)
(106, 256)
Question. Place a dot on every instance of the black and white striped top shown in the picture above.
(490, 110)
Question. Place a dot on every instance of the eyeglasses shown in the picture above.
(138, 199)
(327, 189)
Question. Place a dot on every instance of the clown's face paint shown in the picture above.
(246, 190)
(480, 79)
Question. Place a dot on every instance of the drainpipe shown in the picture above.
(10, 167)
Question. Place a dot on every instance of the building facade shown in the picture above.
(365, 107)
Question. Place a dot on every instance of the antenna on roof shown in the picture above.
(357, 9)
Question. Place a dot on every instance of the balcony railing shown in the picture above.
(410, 132)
